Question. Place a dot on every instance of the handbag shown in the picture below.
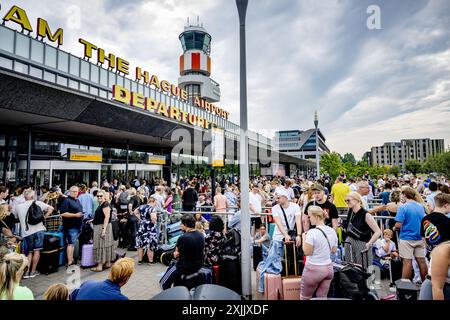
(291, 232)
(353, 231)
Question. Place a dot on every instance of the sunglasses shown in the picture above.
(99, 196)
(348, 200)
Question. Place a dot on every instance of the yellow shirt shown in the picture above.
(339, 192)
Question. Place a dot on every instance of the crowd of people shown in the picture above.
(322, 217)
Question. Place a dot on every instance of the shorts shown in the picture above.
(410, 249)
(35, 242)
(71, 236)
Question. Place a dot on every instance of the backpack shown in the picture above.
(123, 197)
(232, 244)
(34, 215)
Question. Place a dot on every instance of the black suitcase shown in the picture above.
(161, 249)
(230, 273)
(49, 260)
(406, 290)
(257, 256)
(289, 254)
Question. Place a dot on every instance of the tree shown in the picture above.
(395, 170)
(331, 164)
(413, 166)
(349, 158)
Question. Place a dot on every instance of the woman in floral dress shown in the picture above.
(146, 236)
(214, 241)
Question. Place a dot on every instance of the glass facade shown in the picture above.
(43, 61)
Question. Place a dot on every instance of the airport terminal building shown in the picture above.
(66, 119)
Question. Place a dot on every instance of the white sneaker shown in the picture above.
(34, 274)
(26, 276)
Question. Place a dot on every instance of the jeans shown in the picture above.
(71, 236)
(426, 292)
(272, 264)
(35, 241)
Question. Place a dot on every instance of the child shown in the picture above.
(57, 291)
(386, 247)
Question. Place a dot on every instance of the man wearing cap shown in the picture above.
(282, 211)
(320, 199)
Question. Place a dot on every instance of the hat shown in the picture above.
(281, 192)
(317, 186)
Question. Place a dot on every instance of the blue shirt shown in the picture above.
(410, 216)
(71, 205)
(87, 202)
(385, 196)
(235, 221)
(98, 290)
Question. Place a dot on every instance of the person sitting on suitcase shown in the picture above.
(287, 215)
(318, 244)
(188, 251)
(109, 289)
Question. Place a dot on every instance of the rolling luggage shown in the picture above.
(230, 273)
(290, 281)
(257, 256)
(161, 249)
(50, 255)
(87, 256)
(166, 257)
(272, 286)
(62, 246)
(406, 290)
(216, 274)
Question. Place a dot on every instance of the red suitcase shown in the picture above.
(290, 284)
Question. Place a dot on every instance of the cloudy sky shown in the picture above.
(368, 86)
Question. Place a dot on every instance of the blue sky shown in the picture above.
(369, 86)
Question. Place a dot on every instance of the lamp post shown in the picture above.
(316, 124)
(243, 163)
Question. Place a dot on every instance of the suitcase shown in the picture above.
(87, 256)
(173, 229)
(406, 290)
(230, 273)
(175, 293)
(50, 255)
(216, 274)
(166, 257)
(257, 256)
(272, 286)
(62, 246)
(271, 229)
(161, 249)
(173, 241)
(290, 281)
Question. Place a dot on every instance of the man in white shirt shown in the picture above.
(363, 189)
(255, 201)
(352, 184)
(283, 211)
(32, 234)
(289, 190)
(20, 199)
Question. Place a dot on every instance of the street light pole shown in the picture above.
(316, 124)
(243, 163)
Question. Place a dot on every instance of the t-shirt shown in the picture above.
(435, 228)
(255, 200)
(329, 208)
(71, 205)
(21, 211)
(98, 290)
(190, 246)
(220, 202)
(321, 249)
(365, 202)
(339, 192)
(266, 238)
(385, 196)
(291, 212)
(99, 216)
(430, 199)
(19, 293)
(410, 215)
(380, 248)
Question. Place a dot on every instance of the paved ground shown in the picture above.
(143, 284)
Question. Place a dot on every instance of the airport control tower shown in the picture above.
(195, 64)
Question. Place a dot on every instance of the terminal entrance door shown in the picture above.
(67, 178)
